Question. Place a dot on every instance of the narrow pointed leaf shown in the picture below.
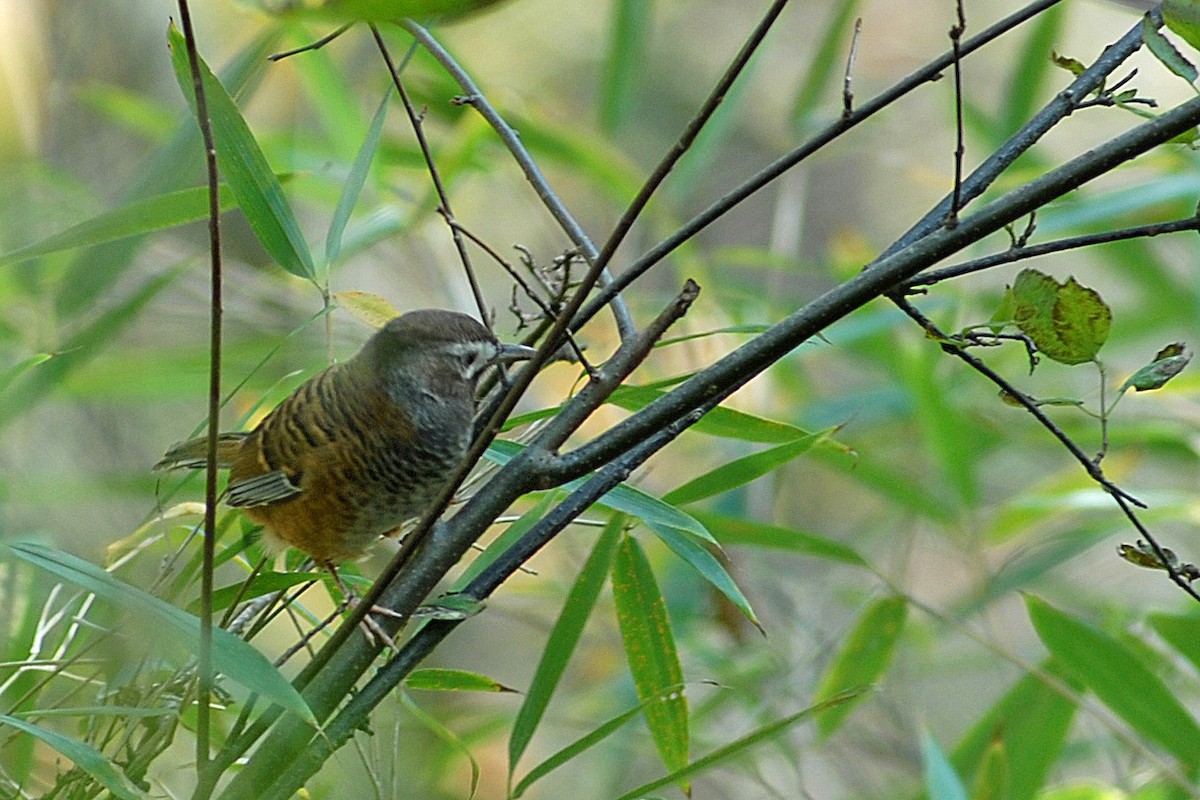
(560, 645)
(862, 657)
(743, 470)
(453, 680)
(623, 497)
(133, 219)
(84, 756)
(245, 168)
(650, 651)
(231, 656)
(1119, 679)
(736, 747)
(355, 181)
(1030, 722)
(738, 532)
(941, 781)
(696, 555)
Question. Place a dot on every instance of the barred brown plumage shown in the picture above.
(363, 445)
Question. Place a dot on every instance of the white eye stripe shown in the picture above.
(473, 356)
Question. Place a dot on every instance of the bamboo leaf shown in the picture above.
(86, 757)
(453, 680)
(650, 651)
(862, 657)
(1118, 678)
(355, 181)
(231, 656)
(245, 168)
(741, 471)
(560, 645)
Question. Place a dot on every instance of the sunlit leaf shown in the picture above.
(453, 680)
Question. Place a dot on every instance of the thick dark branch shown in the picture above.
(731, 372)
(718, 209)
(629, 356)
(1015, 254)
(1058, 109)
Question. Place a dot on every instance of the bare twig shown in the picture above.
(848, 79)
(960, 149)
(443, 199)
(475, 97)
(204, 655)
(1024, 251)
(928, 73)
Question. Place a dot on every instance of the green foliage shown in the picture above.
(859, 504)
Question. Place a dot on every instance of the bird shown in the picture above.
(364, 445)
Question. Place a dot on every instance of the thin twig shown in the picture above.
(547, 311)
(1022, 252)
(960, 150)
(512, 140)
(848, 78)
(443, 199)
(204, 653)
(718, 209)
(317, 45)
(1090, 465)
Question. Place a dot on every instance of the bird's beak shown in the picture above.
(509, 353)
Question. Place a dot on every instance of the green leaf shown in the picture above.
(1165, 52)
(724, 422)
(355, 181)
(991, 782)
(1068, 322)
(1181, 631)
(650, 651)
(231, 656)
(435, 726)
(1030, 722)
(632, 21)
(12, 373)
(736, 747)
(741, 471)
(263, 583)
(735, 531)
(82, 346)
(941, 781)
(84, 756)
(699, 558)
(453, 680)
(133, 219)
(244, 167)
(1183, 17)
(583, 743)
(562, 640)
(1167, 363)
(862, 657)
(1119, 679)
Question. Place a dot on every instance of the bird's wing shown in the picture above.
(260, 490)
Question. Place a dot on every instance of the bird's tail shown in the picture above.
(193, 454)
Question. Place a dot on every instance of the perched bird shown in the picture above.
(365, 444)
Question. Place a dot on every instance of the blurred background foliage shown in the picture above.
(953, 499)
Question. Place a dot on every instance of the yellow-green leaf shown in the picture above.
(862, 657)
